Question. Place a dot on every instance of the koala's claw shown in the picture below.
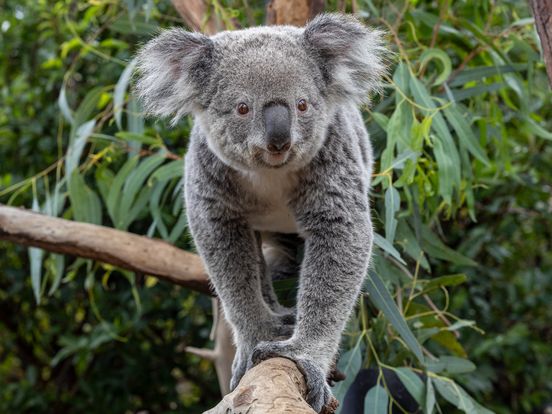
(319, 394)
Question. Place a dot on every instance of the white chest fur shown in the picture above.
(272, 190)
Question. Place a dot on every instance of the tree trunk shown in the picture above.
(542, 10)
(292, 12)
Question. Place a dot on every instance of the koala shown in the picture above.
(278, 157)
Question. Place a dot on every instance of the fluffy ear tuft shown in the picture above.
(172, 69)
(351, 56)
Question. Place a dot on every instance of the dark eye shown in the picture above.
(302, 105)
(242, 109)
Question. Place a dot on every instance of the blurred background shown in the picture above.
(462, 207)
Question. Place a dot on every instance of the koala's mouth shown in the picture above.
(273, 160)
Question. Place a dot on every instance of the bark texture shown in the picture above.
(542, 10)
(292, 12)
(194, 13)
(275, 386)
(129, 251)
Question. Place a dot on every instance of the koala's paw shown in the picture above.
(319, 394)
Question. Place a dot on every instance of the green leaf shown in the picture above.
(137, 207)
(536, 129)
(178, 228)
(134, 183)
(383, 300)
(58, 268)
(392, 205)
(381, 119)
(87, 106)
(481, 72)
(454, 394)
(173, 169)
(429, 404)
(376, 401)
(120, 91)
(407, 240)
(84, 201)
(349, 363)
(35, 258)
(451, 365)
(135, 123)
(115, 195)
(74, 152)
(64, 105)
(465, 133)
(448, 280)
(458, 95)
(387, 247)
(132, 136)
(430, 54)
(155, 208)
(412, 382)
(446, 153)
(435, 248)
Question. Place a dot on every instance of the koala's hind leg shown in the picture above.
(280, 262)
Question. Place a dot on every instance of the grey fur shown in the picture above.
(235, 193)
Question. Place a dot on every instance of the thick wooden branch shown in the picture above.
(275, 386)
(292, 12)
(194, 12)
(126, 250)
(542, 10)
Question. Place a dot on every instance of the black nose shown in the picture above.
(277, 127)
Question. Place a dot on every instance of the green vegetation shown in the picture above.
(462, 204)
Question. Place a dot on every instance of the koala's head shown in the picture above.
(263, 96)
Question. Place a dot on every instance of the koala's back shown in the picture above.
(264, 197)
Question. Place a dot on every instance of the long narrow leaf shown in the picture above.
(383, 300)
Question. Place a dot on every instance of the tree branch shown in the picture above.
(129, 251)
(542, 10)
(272, 387)
(293, 12)
(193, 12)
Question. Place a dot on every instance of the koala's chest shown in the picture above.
(271, 192)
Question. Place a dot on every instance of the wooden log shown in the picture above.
(542, 10)
(129, 251)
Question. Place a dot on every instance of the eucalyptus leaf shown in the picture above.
(376, 400)
(120, 91)
(392, 205)
(383, 300)
(412, 382)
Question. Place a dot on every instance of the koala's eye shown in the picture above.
(242, 108)
(302, 105)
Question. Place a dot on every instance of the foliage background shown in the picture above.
(462, 204)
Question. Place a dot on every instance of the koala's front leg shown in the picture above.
(228, 247)
(337, 250)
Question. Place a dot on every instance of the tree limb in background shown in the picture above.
(293, 12)
(542, 10)
(274, 386)
(194, 13)
(129, 251)
(223, 353)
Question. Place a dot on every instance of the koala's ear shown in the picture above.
(172, 70)
(350, 55)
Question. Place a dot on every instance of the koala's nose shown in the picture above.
(277, 122)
